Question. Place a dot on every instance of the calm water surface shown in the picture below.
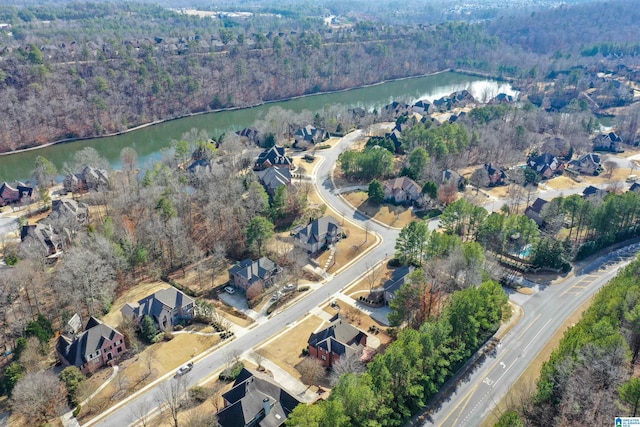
(149, 141)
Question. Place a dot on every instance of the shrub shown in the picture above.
(148, 330)
(232, 372)
(199, 394)
(303, 288)
(77, 410)
(167, 336)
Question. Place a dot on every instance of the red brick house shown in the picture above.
(98, 345)
(339, 339)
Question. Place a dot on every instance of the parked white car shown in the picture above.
(230, 290)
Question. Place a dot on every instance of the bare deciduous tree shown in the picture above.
(311, 370)
(171, 394)
(349, 363)
(39, 396)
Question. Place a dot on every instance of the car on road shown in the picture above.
(289, 287)
(229, 289)
(184, 369)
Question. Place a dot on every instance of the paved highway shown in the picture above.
(544, 313)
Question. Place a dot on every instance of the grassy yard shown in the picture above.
(152, 363)
(391, 215)
(285, 350)
(135, 293)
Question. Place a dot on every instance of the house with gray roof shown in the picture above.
(588, 164)
(274, 156)
(399, 277)
(90, 179)
(273, 178)
(534, 211)
(318, 234)
(247, 273)
(256, 400)
(167, 308)
(98, 345)
(338, 339)
(309, 135)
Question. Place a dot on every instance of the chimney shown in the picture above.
(266, 406)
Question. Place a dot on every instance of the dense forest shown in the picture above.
(90, 69)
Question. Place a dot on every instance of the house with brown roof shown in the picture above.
(256, 400)
(338, 339)
(402, 190)
(497, 176)
(97, 346)
(318, 234)
(248, 273)
(14, 193)
(274, 156)
(167, 308)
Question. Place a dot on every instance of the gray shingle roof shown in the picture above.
(254, 270)
(76, 350)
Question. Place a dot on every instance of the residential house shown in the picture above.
(250, 134)
(450, 176)
(69, 208)
(273, 156)
(546, 165)
(534, 211)
(608, 142)
(593, 192)
(401, 190)
(423, 107)
(308, 136)
(461, 98)
(395, 109)
(248, 273)
(167, 308)
(501, 98)
(199, 166)
(338, 339)
(14, 193)
(45, 239)
(256, 400)
(443, 104)
(90, 179)
(399, 277)
(588, 164)
(319, 233)
(98, 345)
(274, 177)
(496, 175)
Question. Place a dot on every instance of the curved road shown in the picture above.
(544, 312)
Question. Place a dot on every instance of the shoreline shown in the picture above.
(157, 122)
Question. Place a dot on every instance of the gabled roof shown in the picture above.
(274, 177)
(318, 229)
(398, 278)
(77, 350)
(492, 170)
(154, 304)
(251, 392)
(401, 184)
(450, 175)
(592, 191)
(254, 270)
(273, 156)
(338, 337)
(308, 133)
(538, 205)
(635, 187)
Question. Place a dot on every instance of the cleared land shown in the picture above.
(391, 215)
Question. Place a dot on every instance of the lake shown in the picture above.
(149, 141)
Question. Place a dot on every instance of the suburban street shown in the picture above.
(544, 312)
